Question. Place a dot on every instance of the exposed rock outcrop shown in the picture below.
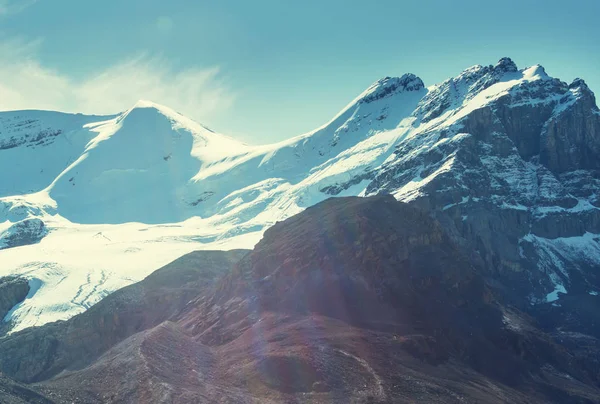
(571, 138)
(25, 232)
(388, 86)
(13, 290)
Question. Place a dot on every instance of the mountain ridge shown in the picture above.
(504, 158)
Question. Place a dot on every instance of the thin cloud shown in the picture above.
(14, 6)
(25, 83)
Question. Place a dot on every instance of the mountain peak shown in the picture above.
(535, 70)
(579, 83)
(146, 108)
(506, 65)
(391, 85)
(146, 104)
(162, 109)
(580, 90)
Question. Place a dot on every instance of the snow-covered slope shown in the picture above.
(487, 151)
(36, 146)
(138, 168)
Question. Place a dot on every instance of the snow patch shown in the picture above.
(554, 253)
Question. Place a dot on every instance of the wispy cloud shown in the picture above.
(25, 83)
(14, 6)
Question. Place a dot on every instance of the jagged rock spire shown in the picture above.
(506, 65)
(578, 83)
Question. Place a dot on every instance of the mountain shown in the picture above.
(363, 300)
(506, 159)
(149, 153)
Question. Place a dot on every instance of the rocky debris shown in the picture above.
(40, 352)
(158, 365)
(24, 232)
(13, 290)
(12, 392)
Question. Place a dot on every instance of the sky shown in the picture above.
(266, 70)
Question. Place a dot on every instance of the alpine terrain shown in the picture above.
(468, 271)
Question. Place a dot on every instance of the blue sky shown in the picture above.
(266, 70)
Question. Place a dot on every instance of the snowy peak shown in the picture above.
(150, 105)
(580, 90)
(478, 85)
(139, 167)
(221, 144)
(144, 109)
(389, 86)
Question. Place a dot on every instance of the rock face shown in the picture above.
(13, 290)
(24, 232)
(381, 266)
(571, 139)
(314, 249)
(353, 300)
(510, 169)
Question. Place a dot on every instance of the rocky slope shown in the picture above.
(362, 300)
(70, 345)
(505, 158)
(12, 392)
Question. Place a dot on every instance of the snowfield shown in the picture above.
(121, 196)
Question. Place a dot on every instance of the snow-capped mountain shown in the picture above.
(507, 159)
